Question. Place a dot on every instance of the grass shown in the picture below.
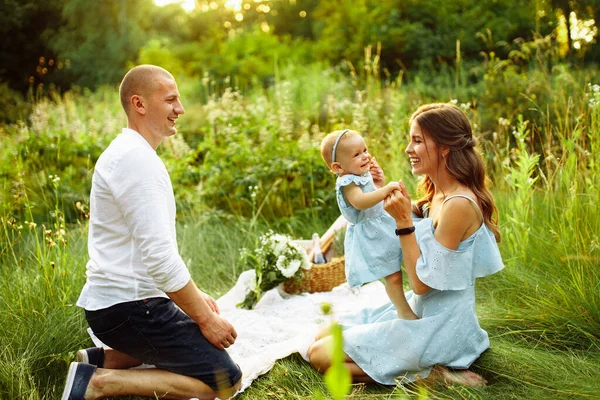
(542, 311)
(531, 356)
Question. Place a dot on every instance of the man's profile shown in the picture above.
(139, 298)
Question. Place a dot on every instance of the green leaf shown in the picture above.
(249, 301)
(337, 377)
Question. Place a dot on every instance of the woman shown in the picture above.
(453, 241)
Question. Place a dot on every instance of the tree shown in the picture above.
(23, 24)
(583, 9)
(415, 33)
(100, 37)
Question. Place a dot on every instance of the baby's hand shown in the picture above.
(392, 186)
(377, 173)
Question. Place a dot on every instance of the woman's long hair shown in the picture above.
(449, 127)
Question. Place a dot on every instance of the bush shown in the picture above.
(12, 105)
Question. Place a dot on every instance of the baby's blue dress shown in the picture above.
(392, 350)
(371, 247)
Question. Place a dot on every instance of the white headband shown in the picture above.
(337, 140)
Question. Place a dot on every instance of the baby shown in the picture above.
(371, 247)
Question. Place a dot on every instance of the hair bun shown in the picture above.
(467, 143)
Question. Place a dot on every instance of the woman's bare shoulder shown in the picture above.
(460, 214)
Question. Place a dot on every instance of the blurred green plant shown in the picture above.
(13, 105)
(337, 377)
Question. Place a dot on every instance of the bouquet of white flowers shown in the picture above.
(275, 260)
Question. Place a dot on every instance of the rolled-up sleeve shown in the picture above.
(142, 189)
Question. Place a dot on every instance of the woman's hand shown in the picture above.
(398, 205)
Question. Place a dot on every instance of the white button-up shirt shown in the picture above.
(132, 240)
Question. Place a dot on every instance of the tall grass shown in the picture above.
(532, 355)
(542, 311)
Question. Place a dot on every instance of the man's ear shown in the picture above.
(337, 167)
(137, 104)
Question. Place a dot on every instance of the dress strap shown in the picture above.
(468, 198)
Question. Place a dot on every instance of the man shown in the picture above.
(135, 275)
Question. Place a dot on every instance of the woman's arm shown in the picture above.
(362, 201)
(398, 205)
(458, 220)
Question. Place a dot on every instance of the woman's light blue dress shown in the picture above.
(392, 350)
(371, 247)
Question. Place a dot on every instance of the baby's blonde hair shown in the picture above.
(328, 142)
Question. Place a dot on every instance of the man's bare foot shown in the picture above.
(93, 389)
(90, 392)
(461, 377)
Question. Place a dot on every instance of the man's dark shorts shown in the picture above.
(157, 332)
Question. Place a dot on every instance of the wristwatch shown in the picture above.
(405, 231)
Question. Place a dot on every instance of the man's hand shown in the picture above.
(204, 310)
(218, 331)
(377, 173)
(211, 303)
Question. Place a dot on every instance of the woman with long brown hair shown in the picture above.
(448, 238)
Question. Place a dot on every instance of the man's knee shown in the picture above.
(227, 380)
(227, 392)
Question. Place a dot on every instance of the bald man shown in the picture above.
(139, 298)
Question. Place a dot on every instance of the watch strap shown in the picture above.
(405, 231)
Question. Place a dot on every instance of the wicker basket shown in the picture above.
(320, 278)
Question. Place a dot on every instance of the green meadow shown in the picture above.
(246, 160)
(245, 163)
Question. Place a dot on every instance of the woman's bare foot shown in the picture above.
(461, 377)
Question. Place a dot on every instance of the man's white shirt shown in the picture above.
(132, 240)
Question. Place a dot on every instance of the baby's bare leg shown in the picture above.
(393, 287)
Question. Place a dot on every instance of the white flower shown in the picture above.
(280, 247)
(306, 264)
(281, 262)
(294, 265)
(279, 254)
(277, 238)
(287, 267)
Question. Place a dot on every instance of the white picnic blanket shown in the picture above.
(283, 324)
